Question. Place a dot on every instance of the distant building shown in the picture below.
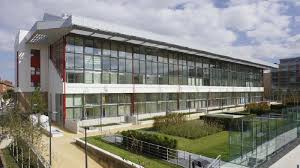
(90, 70)
(267, 83)
(286, 79)
(5, 85)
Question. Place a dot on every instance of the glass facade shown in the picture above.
(94, 60)
(100, 61)
(92, 106)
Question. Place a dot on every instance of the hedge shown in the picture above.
(151, 138)
(161, 151)
(258, 108)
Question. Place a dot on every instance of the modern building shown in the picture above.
(267, 83)
(286, 79)
(100, 72)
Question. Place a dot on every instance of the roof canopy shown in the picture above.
(53, 28)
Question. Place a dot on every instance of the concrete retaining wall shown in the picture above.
(72, 125)
(107, 159)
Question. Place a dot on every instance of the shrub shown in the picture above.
(151, 138)
(170, 119)
(192, 129)
(136, 146)
(258, 108)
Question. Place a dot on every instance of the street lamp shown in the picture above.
(85, 142)
(50, 133)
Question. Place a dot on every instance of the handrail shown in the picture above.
(215, 163)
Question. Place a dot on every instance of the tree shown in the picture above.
(8, 95)
(37, 102)
(26, 137)
(38, 105)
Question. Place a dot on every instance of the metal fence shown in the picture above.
(177, 157)
(26, 156)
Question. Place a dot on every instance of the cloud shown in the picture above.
(6, 41)
(200, 22)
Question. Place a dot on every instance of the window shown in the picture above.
(122, 65)
(106, 63)
(92, 100)
(78, 61)
(88, 77)
(78, 45)
(128, 65)
(77, 100)
(70, 44)
(114, 49)
(97, 47)
(122, 53)
(114, 64)
(88, 48)
(88, 62)
(106, 48)
(70, 61)
(74, 76)
(69, 101)
(97, 77)
(97, 63)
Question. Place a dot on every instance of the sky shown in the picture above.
(262, 29)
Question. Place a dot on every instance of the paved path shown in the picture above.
(290, 160)
(66, 154)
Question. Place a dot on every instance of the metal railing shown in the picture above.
(26, 156)
(216, 163)
(177, 157)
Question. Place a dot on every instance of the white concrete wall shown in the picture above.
(24, 56)
(77, 88)
(55, 85)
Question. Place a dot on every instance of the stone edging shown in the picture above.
(108, 154)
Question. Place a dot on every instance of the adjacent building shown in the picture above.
(286, 79)
(91, 71)
(5, 85)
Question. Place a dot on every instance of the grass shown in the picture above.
(9, 160)
(145, 161)
(210, 146)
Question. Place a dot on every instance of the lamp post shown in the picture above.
(50, 138)
(85, 142)
(50, 133)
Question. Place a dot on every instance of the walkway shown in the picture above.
(66, 154)
(290, 160)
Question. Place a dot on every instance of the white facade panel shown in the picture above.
(72, 88)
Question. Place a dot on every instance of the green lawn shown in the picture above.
(210, 146)
(147, 162)
(9, 160)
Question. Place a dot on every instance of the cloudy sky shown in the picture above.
(261, 29)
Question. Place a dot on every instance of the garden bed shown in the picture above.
(192, 129)
(211, 146)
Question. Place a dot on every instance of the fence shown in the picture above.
(177, 157)
(252, 141)
(26, 156)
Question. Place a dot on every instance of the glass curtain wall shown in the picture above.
(96, 60)
(113, 105)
